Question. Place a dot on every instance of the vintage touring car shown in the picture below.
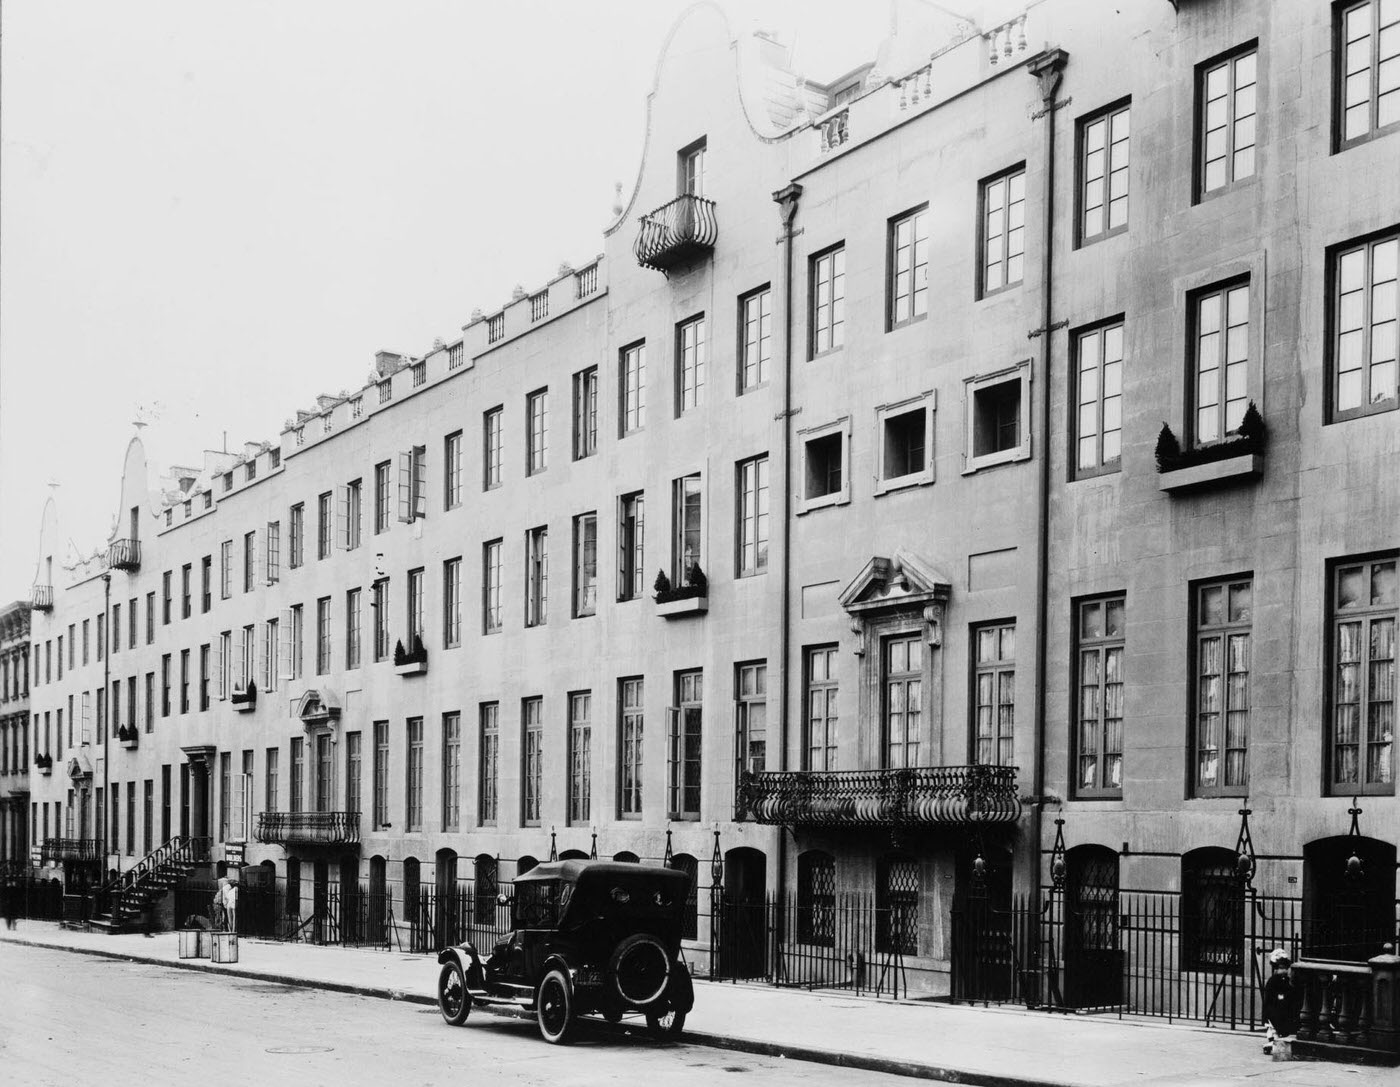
(587, 938)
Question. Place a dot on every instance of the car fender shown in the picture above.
(681, 991)
(558, 962)
(465, 956)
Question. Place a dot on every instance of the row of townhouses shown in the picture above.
(962, 485)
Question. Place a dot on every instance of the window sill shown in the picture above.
(415, 668)
(676, 609)
(1245, 466)
(993, 460)
(839, 498)
(903, 483)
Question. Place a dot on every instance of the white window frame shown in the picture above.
(842, 495)
(1020, 371)
(927, 402)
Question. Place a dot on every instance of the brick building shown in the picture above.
(948, 621)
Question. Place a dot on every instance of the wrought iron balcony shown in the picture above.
(930, 795)
(309, 827)
(676, 232)
(124, 555)
(70, 849)
(42, 598)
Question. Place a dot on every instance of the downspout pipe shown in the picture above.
(106, 634)
(1048, 69)
(786, 199)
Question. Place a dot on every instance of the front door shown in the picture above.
(1093, 960)
(744, 914)
(320, 903)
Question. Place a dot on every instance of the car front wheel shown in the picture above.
(669, 1024)
(454, 1001)
(554, 1008)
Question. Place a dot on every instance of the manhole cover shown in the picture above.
(299, 1049)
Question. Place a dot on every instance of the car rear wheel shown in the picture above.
(667, 1024)
(554, 1008)
(454, 1001)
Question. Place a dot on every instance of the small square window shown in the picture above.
(826, 473)
(906, 438)
(997, 430)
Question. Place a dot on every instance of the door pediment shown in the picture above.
(899, 581)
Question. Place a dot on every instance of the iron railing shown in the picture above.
(41, 599)
(309, 827)
(124, 555)
(951, 795)
(676, 232)
(56, 850)
(180, 854)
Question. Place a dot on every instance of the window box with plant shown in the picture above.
(244, 698)
(44, 764)
(692, 598)
(128, 737)
(412, 662)
(1238, 457)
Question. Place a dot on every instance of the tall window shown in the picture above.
(451, 771)
(536, 576)
(692, 170)
(821, 710)
(225, 663)
(323, 635)
(381, 774)
(203, 684)
(755, 338)
(296, 766)
(691, 354)
(353, 759)
(452, 471)
(491, 448)
(415, 608)
(629, 748)
(536, 431)
(586, 413)
(683, 748)
(413, 483)
(903, 699)
(294, 633)
(273, 656)
(631, 570)
(352, 628)
(908, 268)
(274, 558)
(1368, 45)
(1098, 428)
(752, 516)
(165, 594)
(380, 606)
(1362, 681)
(491, 587)
(296, 536)
(323, 525)
(1224, 614)
(632, 388)
(249, 656)
(381, 496)
(1225, 95)
(1363, 364)
(1098, 707)
(686, 529)
(828, 301)
(414, 783)
(1220, 339)
(353, 501)
(532, 759)
(186, 592)
(1103, 174)
(250, 563)
(1003, 231)
(580, 756)
(164, 688)
(994, 689)
(452, 603)
(488, 762)
(585, 564)
(750, 718)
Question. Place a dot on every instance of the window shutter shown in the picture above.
(420, 481)
(406, 487)
(261, 673)
(673, 760)
(284, 644)
(87, 717)
(342, 517)
(237, 798)
(259, 556)
(219, 669)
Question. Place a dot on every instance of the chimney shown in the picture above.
(386, 362)
(325, 403)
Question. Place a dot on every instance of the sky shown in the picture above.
(210, 213)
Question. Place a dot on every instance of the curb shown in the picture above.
(809, 1054)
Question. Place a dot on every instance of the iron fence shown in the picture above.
(33, 899)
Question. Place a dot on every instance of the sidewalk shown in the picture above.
(998, 1047)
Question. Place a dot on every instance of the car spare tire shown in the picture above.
(640, 969)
